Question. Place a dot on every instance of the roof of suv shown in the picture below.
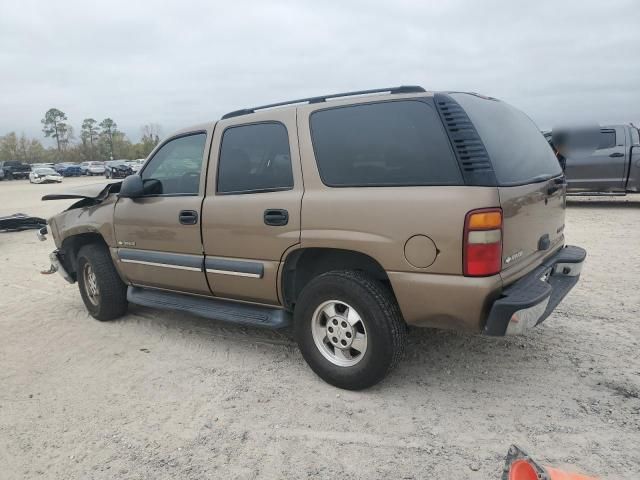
(324, 98)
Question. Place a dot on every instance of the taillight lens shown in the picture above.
(482, 254)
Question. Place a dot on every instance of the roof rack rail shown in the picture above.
(324, 98)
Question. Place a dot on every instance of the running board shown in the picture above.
(596, 194)
(213, 308)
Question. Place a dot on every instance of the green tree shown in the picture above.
(54, 126)
(21, 148)
(150, 138)
(89, 135)
(108, 131)
(35, 152)
(89, 132)
(9, 147)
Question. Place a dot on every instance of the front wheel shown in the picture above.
(349, 329)
(102, 290)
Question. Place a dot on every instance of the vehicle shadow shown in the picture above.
(451, 360)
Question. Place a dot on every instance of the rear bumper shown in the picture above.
(530, 300)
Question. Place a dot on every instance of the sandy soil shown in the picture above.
(162, 395)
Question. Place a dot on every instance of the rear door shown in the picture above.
(158, 235)
(530, 183)
(251, 214)
(603, 170)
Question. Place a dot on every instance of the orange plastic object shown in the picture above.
(519, 466)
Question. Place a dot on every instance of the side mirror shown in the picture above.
(132, 187)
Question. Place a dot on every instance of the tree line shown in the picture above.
(97, 141)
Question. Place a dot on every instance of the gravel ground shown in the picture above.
(163, 395)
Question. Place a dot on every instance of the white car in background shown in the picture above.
(44, 175)
(95, 168)
(136, 165)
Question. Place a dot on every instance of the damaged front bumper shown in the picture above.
(530, 300)
(57, 266)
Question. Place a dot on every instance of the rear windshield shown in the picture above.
(518, 150)
(383, 144)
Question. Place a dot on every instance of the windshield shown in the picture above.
(45, 171)
(518, 150)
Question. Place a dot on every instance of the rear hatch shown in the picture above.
(530, 182)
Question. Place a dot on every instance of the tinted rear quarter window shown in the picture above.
(383, 144)
(255, 158)
(607, 139)
(518, 151)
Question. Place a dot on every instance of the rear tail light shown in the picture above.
(482, 253)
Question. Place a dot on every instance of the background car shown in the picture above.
(135, 165)
(41, 165)
(44, 175)
(15, 170)
(117, 169)
(67, 169)
(95, 168)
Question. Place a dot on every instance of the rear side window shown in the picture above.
(518, 151)
(383, 144)
(607, 139)
(255, 158)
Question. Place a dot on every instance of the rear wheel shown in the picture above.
(103, 292)
(349, 329)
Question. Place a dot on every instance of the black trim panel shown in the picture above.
(234, 266)
(216, 309)
(177, 259)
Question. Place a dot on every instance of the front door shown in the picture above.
(604, 168)
(158, 235)
(251, 213)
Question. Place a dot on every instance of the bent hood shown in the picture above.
(97, 192)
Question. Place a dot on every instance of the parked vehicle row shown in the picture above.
(10, 170)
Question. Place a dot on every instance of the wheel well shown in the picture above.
(72, 245)
(303, 265)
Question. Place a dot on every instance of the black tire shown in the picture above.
(386, 331)
(111, 300)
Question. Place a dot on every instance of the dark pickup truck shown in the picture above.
(13, 169)
(611, 167)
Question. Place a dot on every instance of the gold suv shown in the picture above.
(347, 216)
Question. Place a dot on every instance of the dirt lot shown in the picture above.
(163, 395)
